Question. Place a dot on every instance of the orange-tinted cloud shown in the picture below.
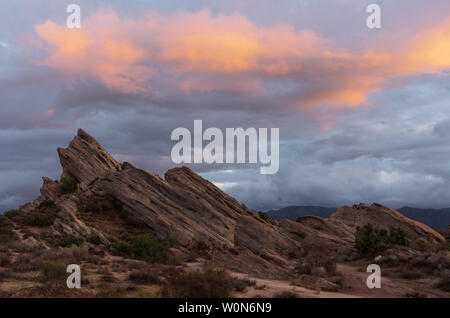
(198, 52)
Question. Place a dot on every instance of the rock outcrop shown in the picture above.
(382, 216)
(86, 160)
(182, 206)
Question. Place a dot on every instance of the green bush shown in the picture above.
(11, 214)
(95, 239)
(210, 283)
(265, 217)
(145, 278)
(53, 271)
(369, 239)
(122, 248)
(6, 235)
(40, 220)
(47, 204)
(317, 264)
(68, 242)
(397, 236)
(147, 247)
(69, 185)
(199, 244)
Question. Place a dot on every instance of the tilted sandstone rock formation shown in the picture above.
(382, 216)
(86, 160)
(184, 207)
(181, 207)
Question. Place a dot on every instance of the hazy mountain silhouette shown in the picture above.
(434, 218)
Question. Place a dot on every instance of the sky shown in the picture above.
(363, 114)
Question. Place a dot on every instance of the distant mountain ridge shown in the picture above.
(435, 218)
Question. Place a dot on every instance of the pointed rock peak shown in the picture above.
(85, 159)
(85, 136)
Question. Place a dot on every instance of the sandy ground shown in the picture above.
(354, 286)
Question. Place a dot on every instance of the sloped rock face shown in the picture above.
(382, 216)
(181, 207)
(333, 238)
(86, 160)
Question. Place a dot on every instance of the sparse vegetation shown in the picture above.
(199, 244)
(265, 217)
(47, 204)
(68, 185)
(77, 253)
(53, 271)
(12, 214)
(145, 247)
(68, 242)
(285, 294)
(444, 283)
(443, 246)
(369, 239)
(6, 235)
(95, 239)
(39, 220)
(410, 273)
(211, 283)
(317, 264)
(241, 285)
(145, 278)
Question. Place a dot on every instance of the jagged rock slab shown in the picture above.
(86, 160)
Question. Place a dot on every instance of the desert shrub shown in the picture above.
(369, 239)
(442, 246)
(147, 247)
(265, 217)
(12, 214)
(211, 283)
(47, 204)
(122, 248)
(6, 235)
(5, 259)
(285, 294)
(53, 271)
(39, 219)
(68, 242)
(317, 264)
(145, 278)
(199, 244)
(111, 292)
(397, 236)
(241, 284)
(68, 185)
(95, 239)
(410, 273)
(444, 284)
(77, 253)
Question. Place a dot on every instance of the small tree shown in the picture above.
(69, 185)
(369, 239)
